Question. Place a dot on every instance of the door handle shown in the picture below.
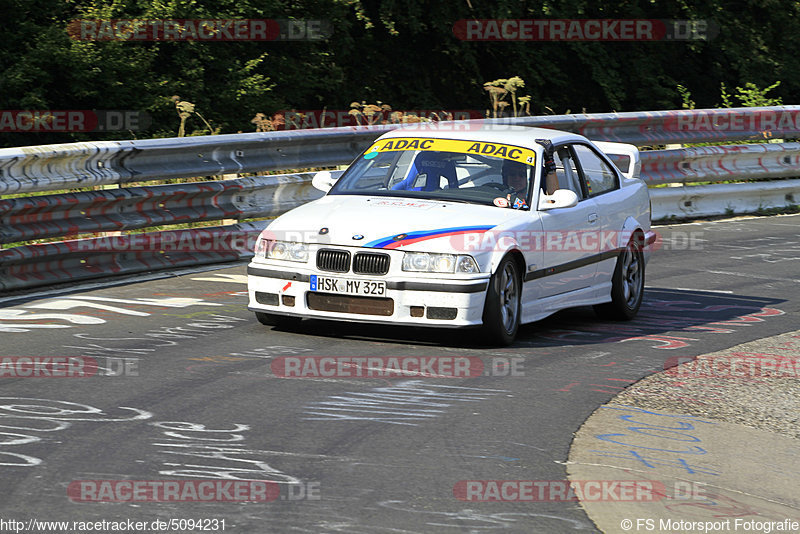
(592, 217)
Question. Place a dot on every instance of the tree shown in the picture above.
(380, 50)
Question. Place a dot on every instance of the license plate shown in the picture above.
(348, 286)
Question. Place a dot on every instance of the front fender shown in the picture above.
(498, 256)
(489, 260)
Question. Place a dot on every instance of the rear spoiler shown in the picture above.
(623, 155)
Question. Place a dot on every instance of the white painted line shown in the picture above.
(90, 285)
(757, 276)
(705, 290)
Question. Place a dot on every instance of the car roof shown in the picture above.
(484, 132)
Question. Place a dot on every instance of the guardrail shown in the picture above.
(108, 210)
(114, 164)
(723, 199)
(721, 163)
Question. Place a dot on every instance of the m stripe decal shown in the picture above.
(415, 237)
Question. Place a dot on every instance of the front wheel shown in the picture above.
(501, 312)
(627, 284)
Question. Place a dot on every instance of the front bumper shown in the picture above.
(409, 300)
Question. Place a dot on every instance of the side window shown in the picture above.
(599, 177)
(566, 170)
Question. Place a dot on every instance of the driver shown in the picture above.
(515, 176)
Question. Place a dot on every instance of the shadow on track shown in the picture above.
(664, 311)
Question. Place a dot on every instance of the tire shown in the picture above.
(280, 321)
(501, 311)
(627, 284)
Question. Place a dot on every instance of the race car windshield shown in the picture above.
(490, 174)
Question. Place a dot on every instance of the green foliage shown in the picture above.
(785, 210)
(401, 52)
(748, 96)
(751, 95)
(723, 93)
(686, 97)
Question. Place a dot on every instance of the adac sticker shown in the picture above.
(498, 150)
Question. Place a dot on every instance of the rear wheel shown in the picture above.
(501, 312)
(627, 284)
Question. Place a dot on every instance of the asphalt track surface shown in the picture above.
(193, 395)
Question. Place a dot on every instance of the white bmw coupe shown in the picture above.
(488, 228)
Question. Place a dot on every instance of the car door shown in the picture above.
(570, 234)
(601, 182)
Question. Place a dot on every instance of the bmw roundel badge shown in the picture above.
(358, 237)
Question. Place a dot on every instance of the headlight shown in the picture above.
(426, 262)
(282, 250)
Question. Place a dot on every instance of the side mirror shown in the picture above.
(323, 181)
(561, 198)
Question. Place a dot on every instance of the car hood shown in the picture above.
(389, 223)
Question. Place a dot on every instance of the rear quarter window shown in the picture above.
(598, 175)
